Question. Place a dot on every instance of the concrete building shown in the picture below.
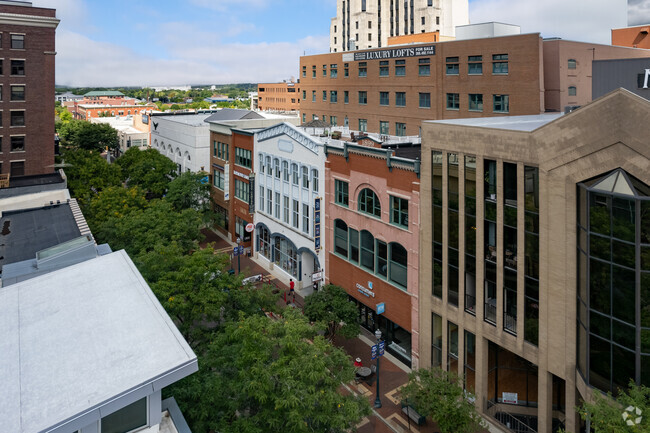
(68, 96)
(27, 83)
(278, 97)
(372, 219)
(290, 184)
(362, 24)
(128, 135)
(534, 250)
(390, 91)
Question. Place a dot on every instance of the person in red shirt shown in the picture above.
(292, 292)
(357, 363)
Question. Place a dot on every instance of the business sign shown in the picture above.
(373, 352)
(145, 119)
(381, 308)
(240, 174)
(226, 182)
(364, 291)
(250, 227)
(395, 53)
(317, 276)
(251, 194)
(317, 244)
(643, 79)
(380, 349)
(509, 397)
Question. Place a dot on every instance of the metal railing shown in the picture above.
(510, 323)
(470, 304)
(490, 313)
(511, 422)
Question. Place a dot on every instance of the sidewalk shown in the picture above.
(392, 373)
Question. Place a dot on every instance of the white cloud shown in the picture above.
(84, 62)
(580, 20)
(224, 5)
(638, 12)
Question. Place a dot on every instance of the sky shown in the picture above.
(114, 43)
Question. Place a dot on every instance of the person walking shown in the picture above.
(292, 292)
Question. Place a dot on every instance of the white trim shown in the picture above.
(29, 20)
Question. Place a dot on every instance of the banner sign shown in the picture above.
(396, 53)
(251, 194)
(226, 182)
(317, 244)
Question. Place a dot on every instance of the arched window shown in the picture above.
(276, 166)
(294, 174)
(269, 168)
(305, 177)
(571, 64)
(314, 179)
(178, 151)
(397, 269)
(261, 158)
(341, 238)
(573, 91)
(369, 202)
(264, 246)
(367, 250)
(285, 171)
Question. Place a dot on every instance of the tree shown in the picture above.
(89, 136)
(440, 395)
(114, 201)
(190, 191)
(332, 310)
(268, 375)
(620, 414)
(88, 173)
(147, 169)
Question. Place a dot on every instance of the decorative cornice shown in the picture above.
(284, 129)
(28, 20)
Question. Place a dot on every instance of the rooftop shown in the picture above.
(191, 119)
(96, 93)
(512, 123)
(233, 114)
(81, 341)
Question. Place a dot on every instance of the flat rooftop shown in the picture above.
(81, 340)
(512, 123)
(24, 232)
(187, 119)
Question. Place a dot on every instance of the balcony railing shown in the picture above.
(470, 304)
(490, 311)
(510, 323)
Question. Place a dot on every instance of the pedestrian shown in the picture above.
(292, 291)
(357, 363)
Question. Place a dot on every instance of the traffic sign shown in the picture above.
(373, 352)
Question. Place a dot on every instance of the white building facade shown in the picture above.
(183, 138)
(290, 186)
(363, 24)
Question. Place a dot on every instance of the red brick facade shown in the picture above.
(281, 97)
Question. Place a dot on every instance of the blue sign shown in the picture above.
(204, 180)
(241, 250)
(381, 308)
(373, 352)
(382, 344)
(235, 252)
(317, 243)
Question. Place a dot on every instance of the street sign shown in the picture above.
(382, 344)
(381, 308)
(373, 352)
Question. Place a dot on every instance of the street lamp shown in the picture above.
(378, 337)
(238, 256)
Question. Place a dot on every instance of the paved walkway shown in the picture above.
(392, 373)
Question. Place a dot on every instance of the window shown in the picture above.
(305, 218)
(346, 70)
(333, 120)
(269, 167)
(341, 192)
(277, 205)
(400, 99)
(17, 168)
(17, 67)
(294, 173)
(304, 95)
(363, 67)
(384, 99)
(363, 9)
(400, 129)
(305, 177)
(341, 238)
(218, 179)
(424, 66)
(17, 118)
(369, 22)
(276, 167)
(363, 125)
(241, 190)
(573, 91)
(397, 264)
(324, 70)
(269, 201)
(346, 96)
(500, 64)
(369, 203)
(334, 96)
(452, 65)
(17, 93)
(367, 250)
(314, 179)
(571, 64)
(400, 68)
(313, 96)
(423, 21)
(304, 71)
(222, 151)
(304, 117)
(333, 69)
(370, 36)
(453, 101)
(1, 63)
(425, 100)
(18, 143)
(261, 198)
(296, 214)
(243, 157)
(501, 103)
(384, 127)
(399, 213)
(126, 419)
(383, 68)
(363, 97)
(17, 42)
(324, 95)
(475, 65)
(285, 209)
(475, 102)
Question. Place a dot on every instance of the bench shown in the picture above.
(416, 417)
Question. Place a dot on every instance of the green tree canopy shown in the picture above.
(269, 376)
(190, 191)
(88, 136)
(114, 202)
(332, 310)
(439, 394)
(88, 173)
(147, 169)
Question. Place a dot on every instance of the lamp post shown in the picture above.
(238, 256)
(378, 337)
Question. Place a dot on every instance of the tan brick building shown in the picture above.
(537, 248)
(392, 90)
(27, 51)
(278, 97)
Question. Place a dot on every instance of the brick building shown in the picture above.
(372, 221)
(635, 37)
(279, 97)
(27, 40)
(392, 90)
(534, 257)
